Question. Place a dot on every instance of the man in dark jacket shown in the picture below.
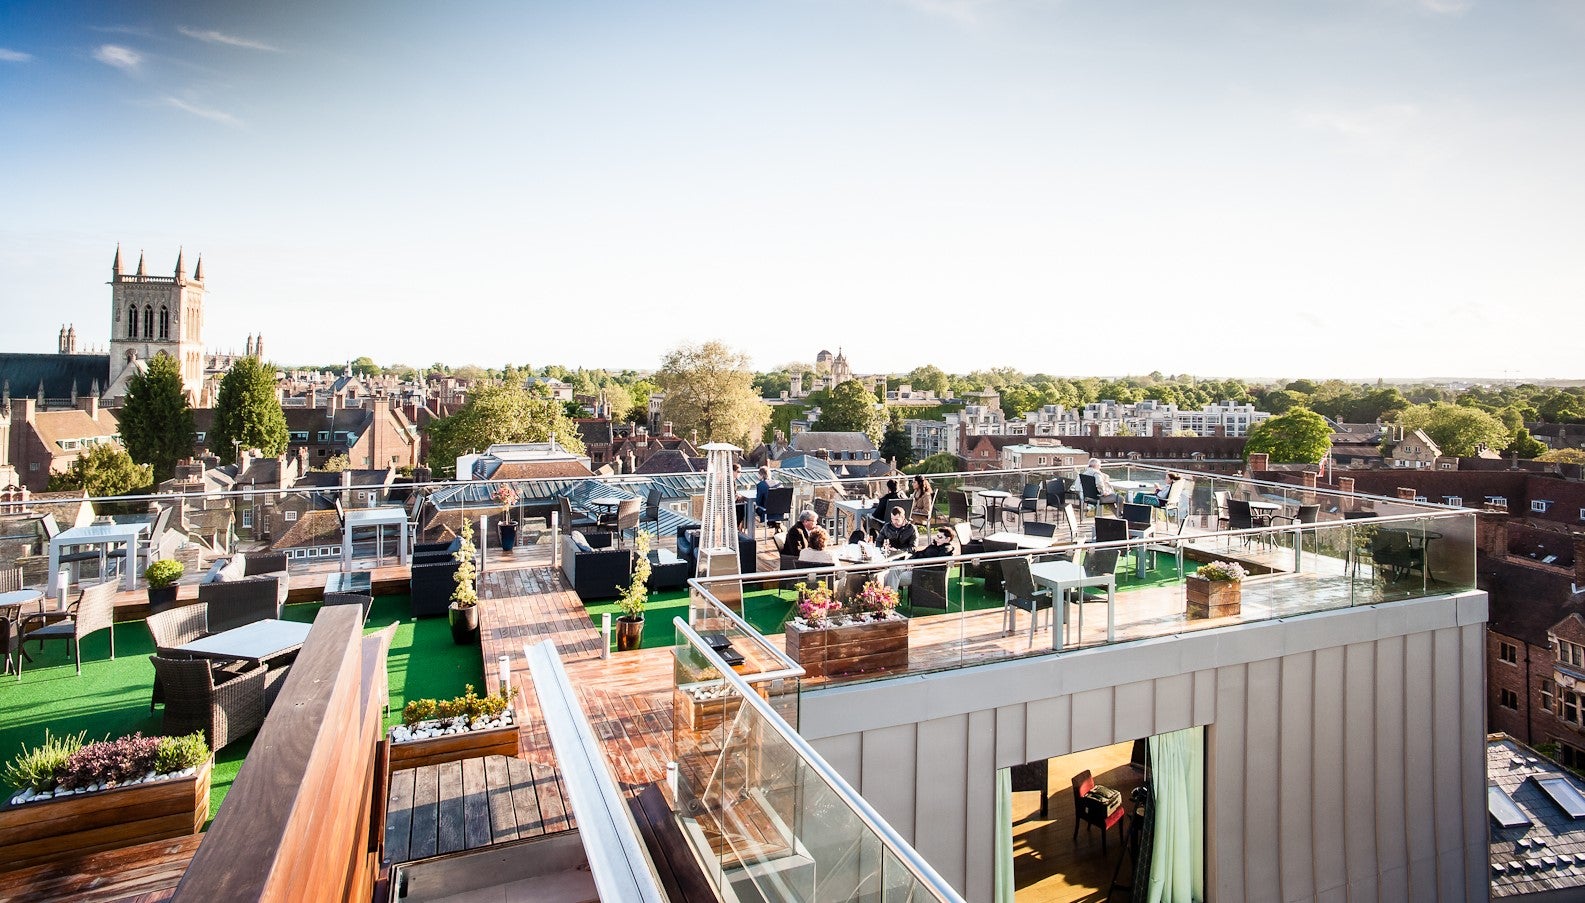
(798, 535)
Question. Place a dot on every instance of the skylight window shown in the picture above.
(1564, 793)
(1503, 809)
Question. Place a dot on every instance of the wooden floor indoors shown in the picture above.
(1048, 866)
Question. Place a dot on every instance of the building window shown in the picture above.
(1508, 652)
(165, 323)
(1570, 653)
(324, 435)
(1457, 501)
(1498, 500)
(1569, 756)
(1447, 465)
(132, 323)
(247, 517)
(1571, 707)
(291, 516)
(1508, 699)
(200, 437)
(1539, 506)
(1546, 695)
(148, 322)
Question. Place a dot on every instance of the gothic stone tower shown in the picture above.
(152, 315)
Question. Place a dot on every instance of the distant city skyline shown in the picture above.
(1362, 189)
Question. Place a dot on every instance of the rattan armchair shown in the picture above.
(93, 611)
(366, 601)
(170, 629)
(225, 711)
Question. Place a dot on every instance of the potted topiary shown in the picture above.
(162, 576)
(463, 613)
(630, 626)
(507, 496)
(1215, 590)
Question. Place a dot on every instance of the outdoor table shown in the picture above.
(1062, 576)
(1418, 539)
(101, 536)
(1008, 540)
(350, 582)
(993, 504)
(254, 642)
(856, 510)
(1125, 490)
(18, 598)
(379, 519)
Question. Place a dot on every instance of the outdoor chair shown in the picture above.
(1028, 503)
(1090, 808)
(652, 508)
(1072, 522)
(960, 507)
(172, 628)
(1021, 594)
(224, 711)
(1056, 493)
(1111, 529)
(571, 520)
(1391, 550)
(93, 611)
(10, 644)
(1306, 514)
(626, 517)
(928, 589)
(1040, 528)
(240, 602)
(1241, 517)
(1101, 563)
(1090, 492)
(10, 579)
(351, 599)
(778, 507)
(1220, 498)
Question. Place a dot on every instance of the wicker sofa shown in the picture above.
(595, 572)
(433, 578)
(244, 589)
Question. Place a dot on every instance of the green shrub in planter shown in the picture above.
(36, 768)
(164, 573)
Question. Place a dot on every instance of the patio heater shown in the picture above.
(718, 530)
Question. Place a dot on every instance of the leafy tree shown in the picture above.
(365, 366)
(894, 442)
(248, 412)
(1455, 429)
(940, 462)
(103, 471)
(1281, 401)
(1302, 386)
(1562, 456)
(929, 377)
(498, 414)
(335, 464)
(1299, 436)
(1562, 408)
(772, 384)
(156, 420)
(851, 408)
(710, 388)
(1525, 445)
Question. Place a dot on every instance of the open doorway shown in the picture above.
(1123, 822)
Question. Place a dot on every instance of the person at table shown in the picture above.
(943, 544)
(885, 502)
(924, 500)
(858, 536)
(899, 532)
(798, 535)
(818, 551)
(1103, 483)
(1165, 490)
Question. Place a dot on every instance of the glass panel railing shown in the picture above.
(770, 819)
(1028, 594)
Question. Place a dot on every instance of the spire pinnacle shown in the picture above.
(181, 267)
(115, 268)
(142, 270)
(198, 269)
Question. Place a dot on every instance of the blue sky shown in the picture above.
(1355, 188)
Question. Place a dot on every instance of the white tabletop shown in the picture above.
(375, 517)
(995, 494)
(258, 640)
(1021, 540)
(98, 533)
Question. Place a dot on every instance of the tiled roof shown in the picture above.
(1525, 599)
(53, 426)
(313, 528)
(668, 461)
(1547, 852)
(533, 470)
(814, 440)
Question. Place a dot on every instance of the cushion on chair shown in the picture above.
(581, 542)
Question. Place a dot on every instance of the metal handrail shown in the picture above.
(900, 848)
(618, 860)
(789, 667)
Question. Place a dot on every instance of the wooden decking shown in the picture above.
(465, 805)
(141, 874)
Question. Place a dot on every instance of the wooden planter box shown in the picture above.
(52, 830)
(498, 741)
(1213, 598)
(850, 649)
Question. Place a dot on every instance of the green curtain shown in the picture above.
(1177, 851)
(1004, 835)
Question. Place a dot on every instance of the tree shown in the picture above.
(365, 366)
(1299, 436)
(710, 388)
(103, 471)
(929, 377)
(851, 408)
(247, 412)
(1525, 446)
(894, 442)
(940, 462)
(335, 464)
(1281, 401)
(498, 414)
(1456, 430)
(156, 420)
(1562, 456)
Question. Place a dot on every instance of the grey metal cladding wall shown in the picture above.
(1349, 767)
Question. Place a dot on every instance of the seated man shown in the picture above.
(941, 546)
(892, 497)
(1103, 483)
(798, 535)
(899, 531)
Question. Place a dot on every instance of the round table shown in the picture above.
(993, 504)
(21, 597)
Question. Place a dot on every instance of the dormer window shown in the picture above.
(1539, 506)
(1500, 500)
(1570, 654)
(1456, 501)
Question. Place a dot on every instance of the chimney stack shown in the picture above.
(90, 404)
(1406, 493)
(1491, 534)
(1258, 463)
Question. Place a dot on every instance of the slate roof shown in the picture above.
(58, 372)
(1546, 854)
(813, 440)
(1526, 599)
(669, 460)
(312, 528)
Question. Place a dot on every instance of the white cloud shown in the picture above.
(212, 115)
(14, 56)
(219, 37)
(119, 57)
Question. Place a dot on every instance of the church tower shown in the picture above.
(153, 315)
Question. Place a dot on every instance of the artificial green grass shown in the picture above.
(768, 610)
(111, 698)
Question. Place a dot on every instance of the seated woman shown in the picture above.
(817, 552)
(858, 536)
(924, 501)
(1163, 492)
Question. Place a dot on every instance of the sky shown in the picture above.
(1351, 188)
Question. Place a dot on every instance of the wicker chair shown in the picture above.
(171, 628)
(10, 580)
(351, 599)
(240, 602)
(193, 701)
(93, 611)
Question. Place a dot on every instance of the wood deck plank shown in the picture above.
(452, 833)
(498, 783)
(399, 816)
(475, 805)
(426, 812)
